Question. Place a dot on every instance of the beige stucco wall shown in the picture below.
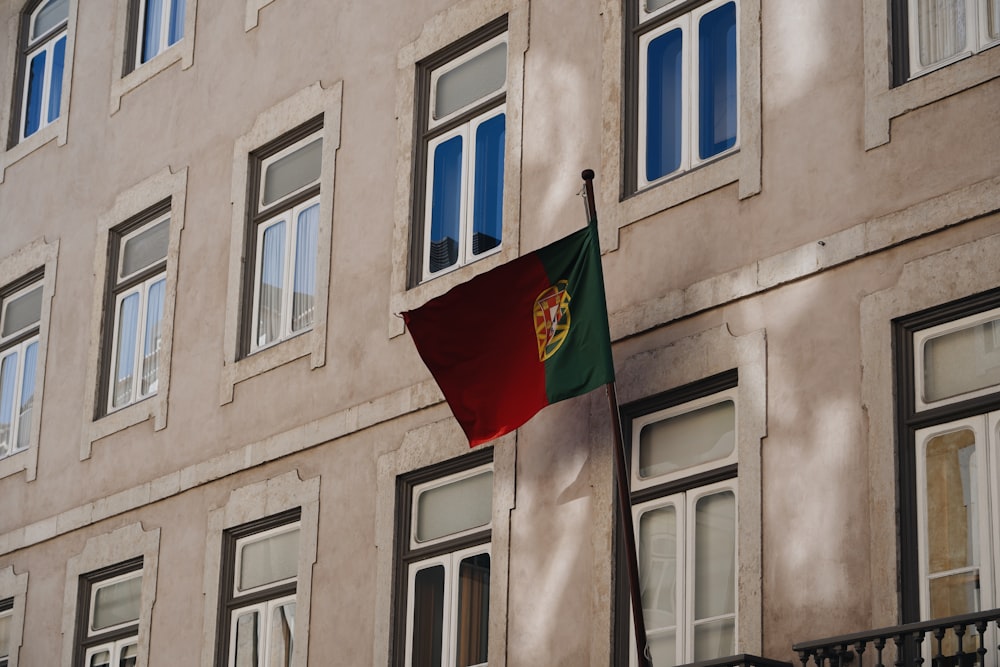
(749, 265)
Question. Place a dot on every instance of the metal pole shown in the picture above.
(622, 477)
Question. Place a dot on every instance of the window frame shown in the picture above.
(117, 288)
(906, 42)
(18, 342)
(911, 417)
(116, 637)
(13, 591)
(233, 601)
(431, 132)
(136, 22)
(696, 481)
(643, 27)
(407, 558)
(260, 217)
(26, 50)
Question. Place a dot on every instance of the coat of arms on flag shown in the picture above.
(552, 319)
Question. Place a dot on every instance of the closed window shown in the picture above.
(20, 315)
(282, 239)
(6, 621)
(108, 616)
(135, 298)
(259, 583)
(444, 563)
(41, 62)
(949, 369)
(684, 510)
(932, 33)
(154, 26)
(459, 184)
(683, 96)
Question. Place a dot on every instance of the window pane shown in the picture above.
(657, 553)
(176, 31)
(293, 172)
(128, 655)
(271, 280)
(5, 621)
(428, 617)
(717, 81)
(280, 648)
(715, 555)
(245, 648)
(942, 29)
(454, 507)
(653, 5)
(152, 29)
(664, 100)
(8, 387)
(304, 280)
(715, 640)
(124, 373)
(145, 248)
(265, 561)
(22, 312)
(471, 81)
(100, 659)
(962, 361)
(952, 507)
(446, 203)
(55, 79)
(662, 647)
(49, 16)
(27, 396)
(955, 594)
(699, 436)
(152, 337)
(117, 603)
(35, 85)
(488, 212)
(993, 18)
(473, 610)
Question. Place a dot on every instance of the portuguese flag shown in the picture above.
(527, 334)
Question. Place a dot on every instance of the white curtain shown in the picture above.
(272, 271)
(27, 395)
(8, 380)
(152, 337)
(941, 25)
(124, 375)
(304, 279)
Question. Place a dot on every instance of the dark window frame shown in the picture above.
(909, 421)
(12, 288)
(21, 66)
(86, 585)
(228, 602)
(255, 217)
(6, 605)
(423, 134)
(629, 413)
(112, 287)
(404, 556)
(132, 44)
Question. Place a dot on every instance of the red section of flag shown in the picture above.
(479, 342)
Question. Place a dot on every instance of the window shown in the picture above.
(948, 365)
(154, 26)
(135, 300)
(459, 175)
(20, 317)
(108, 616)
(444, 525)
(258, 592)
(6, 620)
(684, 93)
(40, 67)
(283, 236)
(934, 33)
(684, 506)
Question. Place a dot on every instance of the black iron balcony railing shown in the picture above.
(969, 640)
(740, 660)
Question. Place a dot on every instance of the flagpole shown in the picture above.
(622, 477)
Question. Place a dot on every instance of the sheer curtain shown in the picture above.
(942, 29)
(151, 337)
(124, 375)
(152, 29)
(272, 269)
(8, 380)
(27, 395)
(304, 278)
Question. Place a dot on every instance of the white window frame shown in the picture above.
(467, 131)
(105, 583)
(419, 489)
(690, 81)
(164, 35)
(451, 562)
(241, 543)
(32, 49)
(976, 35)
(114, 648)
(19, 349)
(264, 640)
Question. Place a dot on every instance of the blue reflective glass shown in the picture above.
(176, 30)
(664, 104)
(152, 29)
(55, 83)
(27, 395)
(35, 86)
(446, 203)
(717, 81)
(128, 327)
(488, 209)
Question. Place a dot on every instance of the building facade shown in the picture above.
(218, 445)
